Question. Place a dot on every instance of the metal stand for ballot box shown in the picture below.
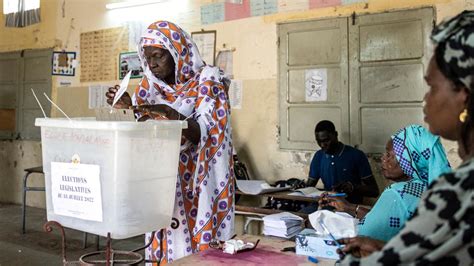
(109, 256)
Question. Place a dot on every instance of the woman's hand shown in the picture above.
(338, 203)
(341, 204)
(161, 111)
(123, 103)
(360, 246)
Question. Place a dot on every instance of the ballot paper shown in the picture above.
(123, 88)
(310, 192)
(283, 224)
(255, 187)
(113, 114)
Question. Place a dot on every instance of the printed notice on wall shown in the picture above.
(97, 98)
(212, 13)
(225, 61)
(206, 44)
(316, 85)
(235, 94)
(76, 190)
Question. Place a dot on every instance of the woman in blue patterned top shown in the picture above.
(413, 159)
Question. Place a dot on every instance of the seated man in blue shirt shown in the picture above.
(342, 168)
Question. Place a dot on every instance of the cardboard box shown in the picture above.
(311, 244)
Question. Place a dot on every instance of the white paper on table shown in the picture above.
(281, 232)
(123, 88)
(255, 187)
(310, 192)
(232, 246)
(76, 190)
(339, 224)
(282, 224)
(282, 217)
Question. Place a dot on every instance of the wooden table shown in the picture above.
(268, 252)
(281, 195)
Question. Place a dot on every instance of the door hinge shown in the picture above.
(278, 42)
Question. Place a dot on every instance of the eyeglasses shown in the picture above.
(217, 244)
(387, 155)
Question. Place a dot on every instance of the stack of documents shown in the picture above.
(283, 224)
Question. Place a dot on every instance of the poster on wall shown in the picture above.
(316, 82)
(64, 63)
(97, 98)
(206, 44)
(130, 61)
(235, 94)
(99, 50)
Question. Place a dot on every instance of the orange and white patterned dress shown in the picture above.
(204, 204)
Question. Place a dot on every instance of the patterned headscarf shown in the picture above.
(166, 35)
(420, 153)
(455, 48)
(190, 69)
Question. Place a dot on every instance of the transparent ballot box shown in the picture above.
(110, 176)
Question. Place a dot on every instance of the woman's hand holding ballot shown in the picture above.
(155, 111)
(123, 103)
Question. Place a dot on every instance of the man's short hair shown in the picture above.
(325, 125)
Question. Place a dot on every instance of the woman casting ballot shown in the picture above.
(178, 85)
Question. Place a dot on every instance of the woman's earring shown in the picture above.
(463, 116)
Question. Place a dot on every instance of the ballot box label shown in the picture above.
(76, 191)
